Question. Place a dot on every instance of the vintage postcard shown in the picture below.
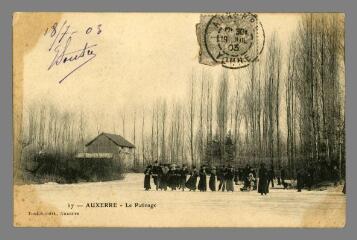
(179, 120)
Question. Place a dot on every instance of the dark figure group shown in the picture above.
(175, 178)
(165, 176)
(306, 177)
(248, 176)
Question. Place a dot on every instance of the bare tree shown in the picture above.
(134, 138)
(143, 138)
(123, 123)
(191, 119)
(222, 111)
(163, 125)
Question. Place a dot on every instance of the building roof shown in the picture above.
(94, 155)
(115, 138)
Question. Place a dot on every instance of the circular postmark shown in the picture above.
(234, 39)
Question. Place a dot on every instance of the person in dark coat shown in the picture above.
(335, 175)
(222, 178)
(246, 172)
(251, 179)
(219, 176)
(202, 184)
(212, 179)
(309, 177)
(271, 176)
(263, 187)
(147, 173)
(183, 176)
(192, 181)
(172, 178)
(278, 178)
(300, 179)
(241, 174)
(156, 174)
(236, 176)
(283, 177)
(252, 171)
(229, 179)
(164, 178)
(177, 177)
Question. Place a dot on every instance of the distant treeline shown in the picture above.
(287, 111)
(51, 140)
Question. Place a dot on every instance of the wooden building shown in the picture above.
(107, 145)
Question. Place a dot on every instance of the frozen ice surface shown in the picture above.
(280, 208)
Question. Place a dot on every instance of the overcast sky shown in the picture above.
(139, 57)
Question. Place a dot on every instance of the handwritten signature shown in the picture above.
(61, 45)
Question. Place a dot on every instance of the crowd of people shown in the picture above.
(223, 178)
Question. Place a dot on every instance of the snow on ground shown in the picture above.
(280, 208)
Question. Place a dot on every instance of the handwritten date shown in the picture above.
(61, 38)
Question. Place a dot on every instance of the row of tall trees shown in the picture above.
(315, 92)
(286, 109)
(51, 138)
(53, 130)
(284, 115)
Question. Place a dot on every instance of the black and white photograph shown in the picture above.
(179, 120)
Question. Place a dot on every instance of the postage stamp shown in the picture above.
(233, 40)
